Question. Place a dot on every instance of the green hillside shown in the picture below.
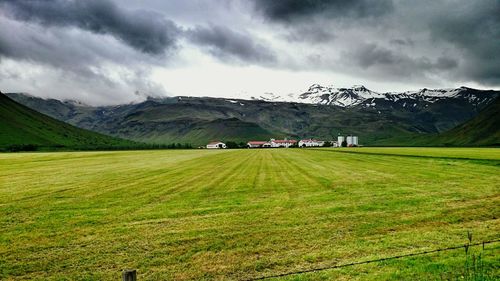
(195, 131)
(482, 130)
(22, 128)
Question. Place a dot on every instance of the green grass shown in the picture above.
(22, 128)
(237, 214)
(435, 152)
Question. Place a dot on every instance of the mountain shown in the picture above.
(22, 128)
(360, 95)
(484, 129)
(320, 112)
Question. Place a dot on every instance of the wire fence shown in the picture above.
(372, 261)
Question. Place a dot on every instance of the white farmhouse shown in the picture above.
(311, 143)
(282, 143)
(272, 143)
(216, 145)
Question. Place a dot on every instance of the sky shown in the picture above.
(105, 52)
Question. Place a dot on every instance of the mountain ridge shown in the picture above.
(348, 97)
(376, 119)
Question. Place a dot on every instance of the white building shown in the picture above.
(311, 143)
(257, 144)
(271, 143)
(216, 145)
(282, 143)
(352, 141)
(340, 140)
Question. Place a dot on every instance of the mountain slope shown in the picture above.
(484, 129)
(378, 119)
(22, 128)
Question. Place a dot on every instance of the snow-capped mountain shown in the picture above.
(360, 95)
(320, 112)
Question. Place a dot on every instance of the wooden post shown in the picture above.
(129, 275)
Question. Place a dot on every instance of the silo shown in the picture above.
(340, 140)
(349, 140)
(355, 140)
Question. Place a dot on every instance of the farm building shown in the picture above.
(216, 145)
(271, 143)
(258, 144)
(311, 143)
(282, 143)
(340, 140)
(350, 140)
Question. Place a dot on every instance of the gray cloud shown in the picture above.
(291, 10)
(474, 28)
(100, 68)
(382, 61)
(225, 44)
(146, 31)
(402, 42)
(310, 34)
(108, 48)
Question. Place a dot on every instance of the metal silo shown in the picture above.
(340, 140)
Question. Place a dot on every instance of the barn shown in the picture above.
(258, 144)
(311, 143)
(282, 143)
(216, 145)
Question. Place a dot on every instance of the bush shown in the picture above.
(22, 147)
(232, 145)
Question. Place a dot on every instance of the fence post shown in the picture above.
(129, 275)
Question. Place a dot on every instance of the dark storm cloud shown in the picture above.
(94, 68)
(290, 10)
(145, 31)
(225, 43)
(63, 48)
(392, 63)
(474, 28)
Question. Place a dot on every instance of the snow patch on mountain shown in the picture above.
(348, 97)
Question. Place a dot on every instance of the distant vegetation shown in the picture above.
(192, 122)
(200, 120)
(481, 130)
(24, 129)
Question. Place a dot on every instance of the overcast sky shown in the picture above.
(118, 51)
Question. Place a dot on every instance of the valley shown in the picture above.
(390, 119)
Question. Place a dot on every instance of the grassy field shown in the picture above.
(241, 214)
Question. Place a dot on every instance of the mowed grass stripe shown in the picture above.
(233, 214)
(429, 152)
